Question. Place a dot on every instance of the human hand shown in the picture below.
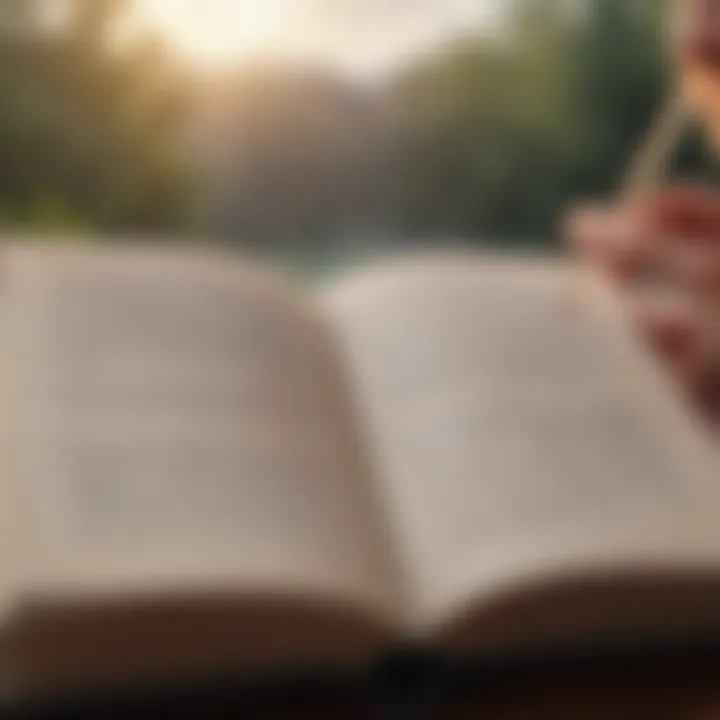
(663, 256)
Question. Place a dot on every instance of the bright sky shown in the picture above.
(364, 35)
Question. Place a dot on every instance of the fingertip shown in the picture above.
(611, 240)
(584, 222)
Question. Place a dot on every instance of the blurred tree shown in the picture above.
(621, 57)
(88, 124)
(92, 21)
(489, 137)
(17, 15)
(495, 135)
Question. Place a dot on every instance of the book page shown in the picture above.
(520, 430)
(181, 424)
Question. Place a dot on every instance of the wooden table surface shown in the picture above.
(679, 690)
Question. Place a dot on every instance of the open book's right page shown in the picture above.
(522, 431)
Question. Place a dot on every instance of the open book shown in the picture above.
(207, 468)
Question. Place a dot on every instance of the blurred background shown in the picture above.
(315, 129)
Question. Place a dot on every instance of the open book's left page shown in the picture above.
(180, 426)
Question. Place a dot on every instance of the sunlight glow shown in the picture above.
(216, 31)
(361, 35)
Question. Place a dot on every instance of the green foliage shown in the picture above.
(88, 130)
(490, 137)
(495, 137)
(48, 213)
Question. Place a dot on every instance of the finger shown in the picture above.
(676, 330)
(695, 267)
(673, 328)
(685, 212)
(685, 222)
(689, 211)
(609, 239)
